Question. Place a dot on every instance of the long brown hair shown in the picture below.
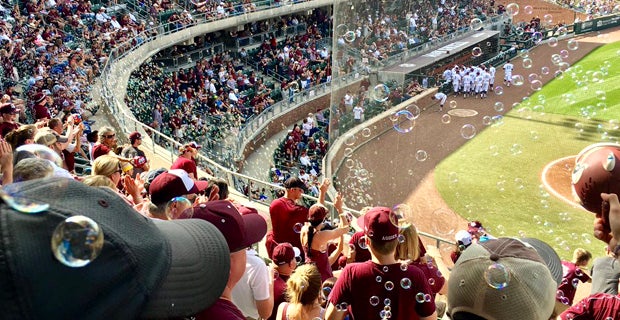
(18, 137)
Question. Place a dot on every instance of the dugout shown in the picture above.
(469, 50)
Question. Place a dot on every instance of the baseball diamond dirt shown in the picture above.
(396, 175)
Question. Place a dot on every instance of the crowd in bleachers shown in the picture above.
(380, 34)
(300, 153)
(298, 58)
(591, 7)
(58, 48)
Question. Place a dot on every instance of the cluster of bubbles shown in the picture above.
(358, 181)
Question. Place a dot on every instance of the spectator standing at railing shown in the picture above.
(186, 159)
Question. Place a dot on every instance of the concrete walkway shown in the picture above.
(258, 164)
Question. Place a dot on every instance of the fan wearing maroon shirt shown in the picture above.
(240, 231)
(40, 107)
(370, 289)
(186, 161)
(8, 112)
(286, 214)
(285, 258)
(315, 237)
(106, 144)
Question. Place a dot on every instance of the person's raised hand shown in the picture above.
(607, 227)
(6, 154)
(324, 185)
(130, 185)
(339, 202)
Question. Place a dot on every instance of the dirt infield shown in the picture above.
(411, 181)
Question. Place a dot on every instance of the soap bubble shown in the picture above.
(497, 276)
(374, 301)
(528, 9)
(341, 30)
(404, 122)
(297, 227)
(366, 132)
(552, 42)
(512, 9)
(380, 93)
(476, 24)
(414, 110)
(405, 283)
(517, 80)
(446, 118)
(476, 52)
(362, 243)
(349, 36)
(572, 44)
(77, 241)
(419, 297)
(468, 131)
(421, 155)
(350, 139)
(537, 37)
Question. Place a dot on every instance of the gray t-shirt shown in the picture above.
(605, 274)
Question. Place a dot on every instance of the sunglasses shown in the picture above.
(110, 136)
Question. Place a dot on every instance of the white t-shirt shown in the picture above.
(348, 99)
(253, 286)
(306, 127)
(357, 113)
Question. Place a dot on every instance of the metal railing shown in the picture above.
(257, 39)
(186, 58)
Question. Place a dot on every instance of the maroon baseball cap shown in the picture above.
(380, 224)
(284, 252)
(8, 108)
(240, 231)
(134, 136)
(39, 97)
(174, 183)
(317, 213)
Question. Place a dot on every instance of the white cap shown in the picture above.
(464, 237)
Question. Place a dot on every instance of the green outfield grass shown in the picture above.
(496, 177)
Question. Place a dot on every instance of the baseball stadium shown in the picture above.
(451, 113)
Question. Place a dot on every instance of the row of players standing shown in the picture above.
(475, 81)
